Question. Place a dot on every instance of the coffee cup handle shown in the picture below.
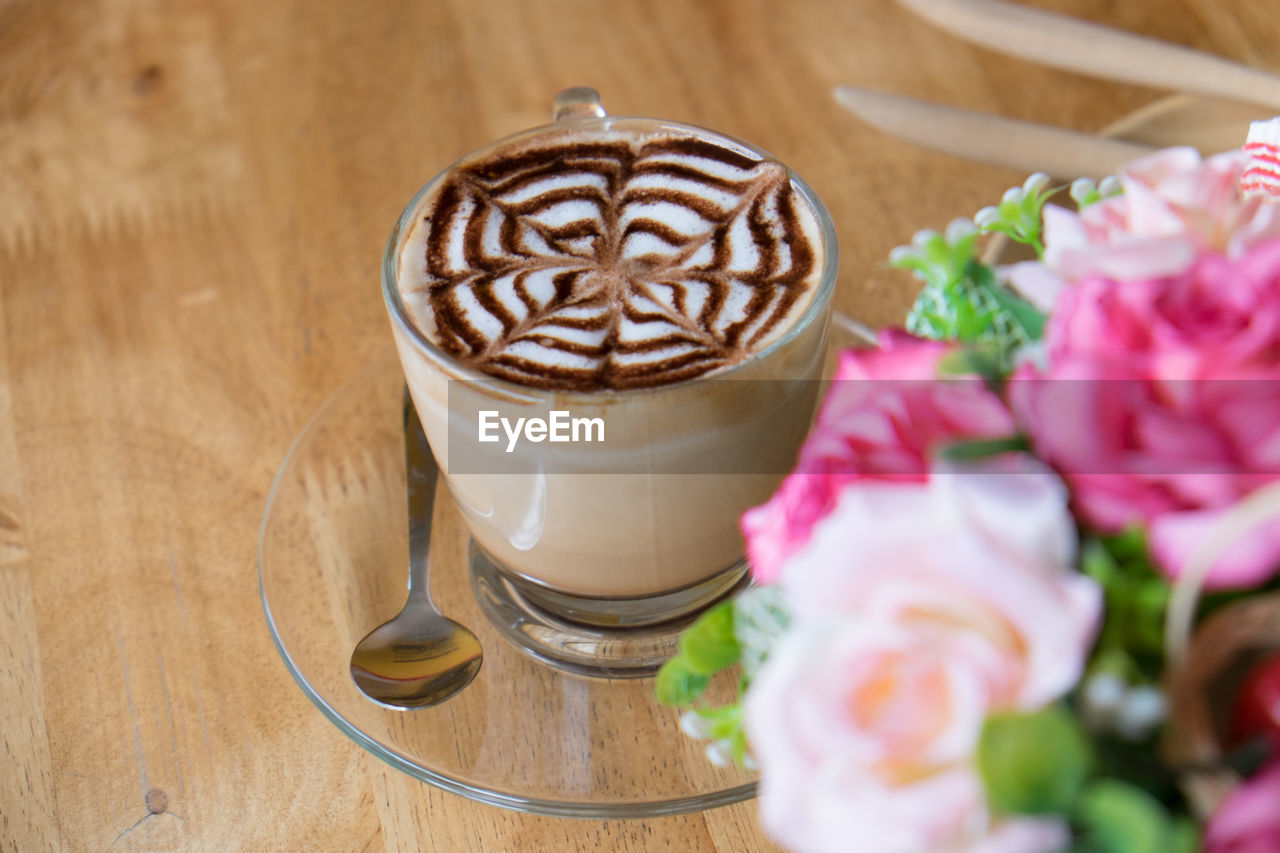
(848, 333)
(845, 333)
(577, 102)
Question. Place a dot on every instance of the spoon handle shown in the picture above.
(1059, 41)
(421, 473)
(1065, 154)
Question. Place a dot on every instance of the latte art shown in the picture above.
(611, 260)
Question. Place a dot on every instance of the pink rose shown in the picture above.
(885, 416)
(1248, 821)
(1174, 206)
(1161, 404)
(918, 609)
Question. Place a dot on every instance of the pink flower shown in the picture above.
(886, 415)
(1174, 206)
(1248, 821)
(918, 609)
(1161, 404)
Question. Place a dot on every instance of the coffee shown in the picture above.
(608, 260)
(629, 270)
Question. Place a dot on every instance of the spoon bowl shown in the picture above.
(420, 657)
(415, 660)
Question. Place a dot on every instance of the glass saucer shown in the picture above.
(332, 564)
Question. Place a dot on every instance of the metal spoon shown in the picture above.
(421, 657)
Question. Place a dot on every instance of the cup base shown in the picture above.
(602, 638)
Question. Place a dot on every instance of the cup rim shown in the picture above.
(454, 369)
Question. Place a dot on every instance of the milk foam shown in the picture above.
(609, 260)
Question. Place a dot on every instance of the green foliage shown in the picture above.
(1131, 643)
(1024, 319)
(938, 258)
(724, 727)
(1184, 836)
(1136, 764)
(1115, 817)
(1033, 763)
(742, 630)
(977, 449)
(1042, 763)
(678, 684)
(1129, 545)
(984, 359)
(1085, 192)
(1019, 213)
(709, 644)
(706, 647)
(962, 300)
(760, 617)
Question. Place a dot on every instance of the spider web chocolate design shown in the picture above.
(614, 263)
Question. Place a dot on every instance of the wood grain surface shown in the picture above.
(194, 197)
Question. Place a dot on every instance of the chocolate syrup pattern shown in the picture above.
(630, 291)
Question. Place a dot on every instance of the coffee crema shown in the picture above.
(606, 260)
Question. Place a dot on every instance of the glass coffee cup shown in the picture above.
(603, 493)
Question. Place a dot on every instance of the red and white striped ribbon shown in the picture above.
(1262, 175)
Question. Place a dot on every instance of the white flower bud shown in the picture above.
(1110, 186)
(1081, 188)
(923, 237)
(1013, 195)
(1035, 182)
(986, 217)
(719, 754)
(1104, 694)
(695, 725)
(749, 762)
(1142, 710)
(958, 229)
(902, 253)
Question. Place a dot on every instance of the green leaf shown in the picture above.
(1120, 818)
(937, 251)
(1184, 837)
(1020, 212)
(1096, 562)
(738, 747)
(983, 359)
(1033, 763)
(1129, 545)
(1022, 312)
(1137, 600)
(981, 448)
(724, 727)
(708, 645)
(677, 684)
(962, 299)
(1117, 662)
(1029, 320)
(1088, 198)
(1150, 602)
(721, 722)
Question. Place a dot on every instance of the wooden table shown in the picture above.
(193, 202)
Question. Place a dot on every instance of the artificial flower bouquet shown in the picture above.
(1020, 592)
